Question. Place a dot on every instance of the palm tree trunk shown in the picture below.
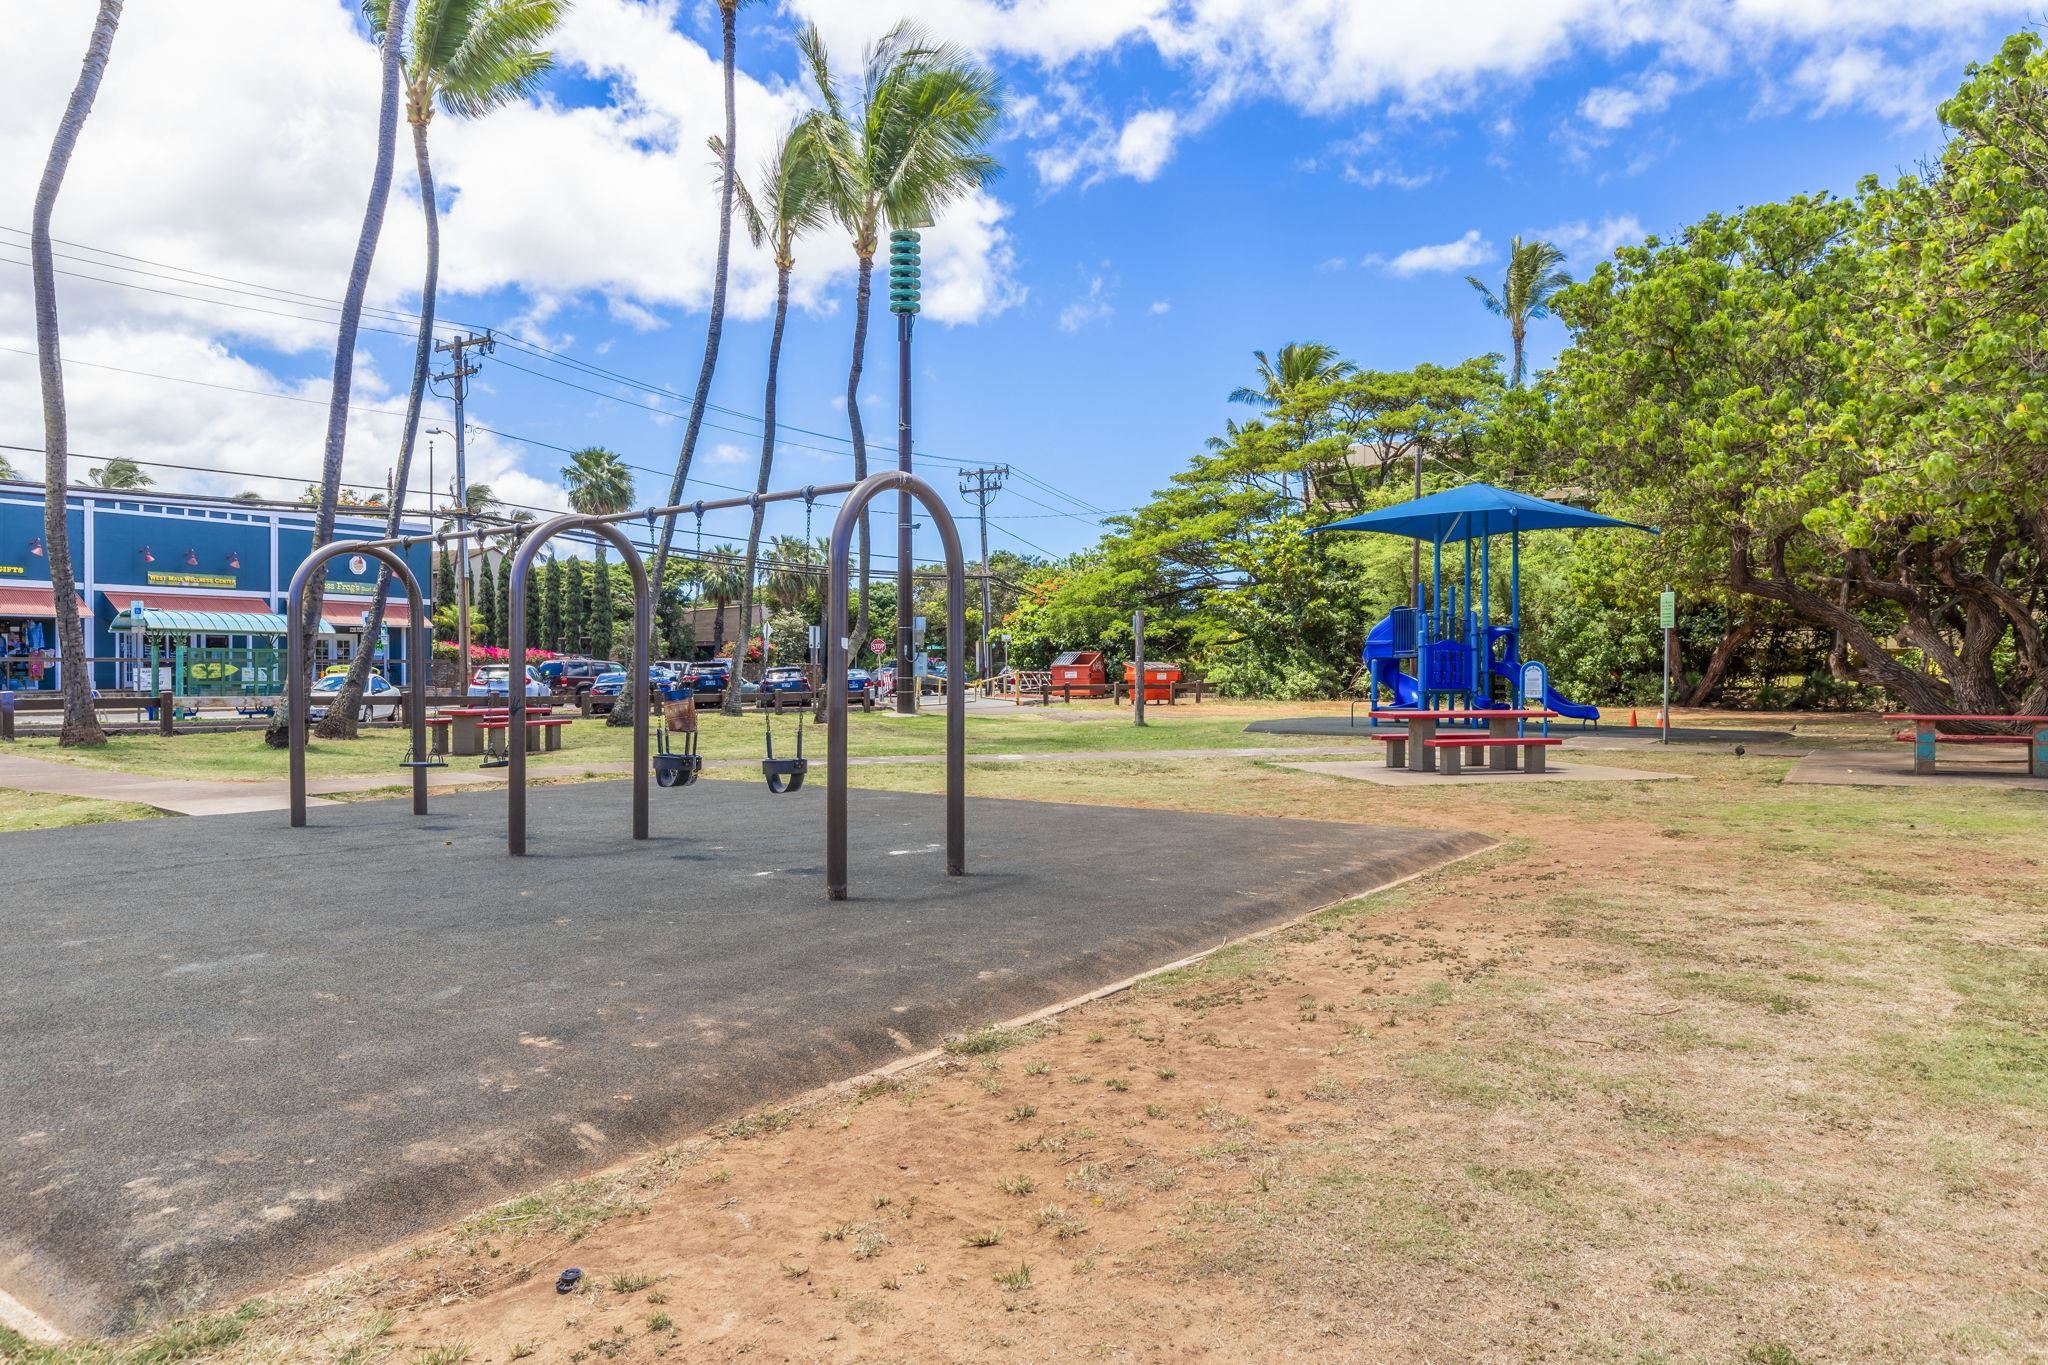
(860, 447)
(351, 318)
(340, 721)
(1517, 332)
(733, 694)
(81, 724)
(729, 18)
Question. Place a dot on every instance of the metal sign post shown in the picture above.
(1667, 617)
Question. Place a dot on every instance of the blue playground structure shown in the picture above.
(1450, 641)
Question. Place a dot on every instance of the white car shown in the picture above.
(495, 680)
(380, 698)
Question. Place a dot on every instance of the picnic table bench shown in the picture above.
(1926, 735)
(542, 734)
(1415, 751)
(462, 738)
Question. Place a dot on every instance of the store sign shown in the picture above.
(344, 586)
(357, 564)
(12, 568)
(191, 580)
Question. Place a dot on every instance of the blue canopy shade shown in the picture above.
(1474, 511)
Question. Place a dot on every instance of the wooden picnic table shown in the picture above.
(464, 739)
(1927, 734)
(1500, 724)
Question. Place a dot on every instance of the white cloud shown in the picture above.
(1160, 307)
(1093, 306)
(1614, 106)
(1146, 143)
(726, 453)
(1392, 176)
(1328, 56)
(1586, 242)
(1440, 258)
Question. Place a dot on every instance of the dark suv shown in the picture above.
(574, 676)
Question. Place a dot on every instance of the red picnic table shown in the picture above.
(1927, 734)
(464, 739)
(1417, 749)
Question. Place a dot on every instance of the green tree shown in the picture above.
(486, 606)
(503, 591)
(81, 724)
(467, 57)
(599, 485)
(551, 604)
(910, 139)
(791, 199)
(714, 327)
(575, 608)
(7, 469)
(719, 583)
(120, 472)
(444, 579)
(1535, 274)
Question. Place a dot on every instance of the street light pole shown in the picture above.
(459, 372)
(903, 302)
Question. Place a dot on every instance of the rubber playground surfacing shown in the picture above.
(234, 1052)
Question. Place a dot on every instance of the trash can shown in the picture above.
(1082, 671)
(1159, 680)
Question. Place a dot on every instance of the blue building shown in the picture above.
(182, 591)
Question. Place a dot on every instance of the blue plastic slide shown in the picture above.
(1407, 691)
(1563, 705)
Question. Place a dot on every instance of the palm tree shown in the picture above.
(470, 57)
(394, 14)
(1533, 278)
(728, 16)
(600, 484)
(119, 472)
(908, 143)
(248, 495)
(81, 725)
(1300, 365)
(718, 582)
(479, 502)
(7, 469)
(792, 201)
(790, 583)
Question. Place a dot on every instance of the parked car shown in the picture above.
(576, 676)
(380, 698)
(495, 680)
(707, 678)
(606, 689)
(785, 678)
(859, 680)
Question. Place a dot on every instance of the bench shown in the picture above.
(1397, 749)
(437, 728)
(1926, 735)
(541, 735)
(1452, 748)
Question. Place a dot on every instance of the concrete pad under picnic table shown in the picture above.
(232, 1052)
(1957, 766)
(1556, 770)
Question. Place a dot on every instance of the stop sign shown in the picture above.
(875, 646)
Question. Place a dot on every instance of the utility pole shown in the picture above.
(904, 289)
(981, 485)
(459, 371)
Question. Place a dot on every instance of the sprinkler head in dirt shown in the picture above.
(569, 1280)
(1740, 751)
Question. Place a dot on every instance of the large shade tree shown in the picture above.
(81, 724)
(467, 57)
(907, 139)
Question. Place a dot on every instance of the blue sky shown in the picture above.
(1187, 180)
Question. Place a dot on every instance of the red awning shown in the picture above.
(191, 601)
(345, 614)
(34, 603)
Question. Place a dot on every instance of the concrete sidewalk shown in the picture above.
(172, 795)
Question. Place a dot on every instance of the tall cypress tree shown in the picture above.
(536, 592)
(551, 605)
(444, 579)
(504, 599)
(575, 608)
(485, 607)
(604, 610)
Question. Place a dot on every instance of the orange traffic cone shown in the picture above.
(1631, 719)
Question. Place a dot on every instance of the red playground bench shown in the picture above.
(1451, 749)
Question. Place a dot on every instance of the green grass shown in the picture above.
(243, 756)
(21, 810)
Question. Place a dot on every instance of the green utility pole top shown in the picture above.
(903, 271)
